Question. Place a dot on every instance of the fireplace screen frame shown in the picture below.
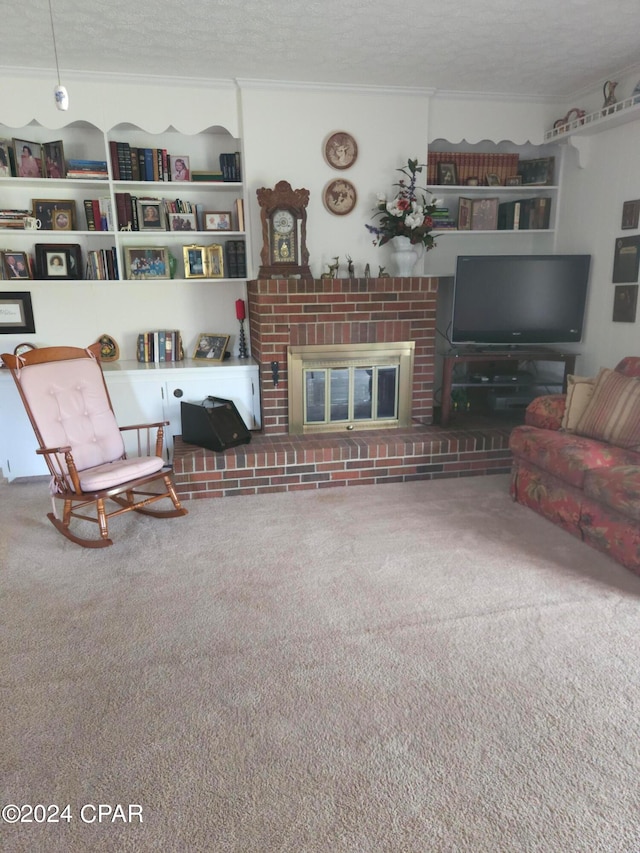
(398, 355)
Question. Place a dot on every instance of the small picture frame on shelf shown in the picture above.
(215, 261)
(538, 172)
(45, 210)
(484, 214)
(182, 222)
(215, 220)
(6, 159)
(513, 181)
(630, 214)
(61, 261)
(54, 163)
(195, 261)
(211, 346)
(16, 313)
(151, 214)
(15, 265)
(180, 170)
(62, 219)
(447, 174)
(28, 158)
(492, 179)
(147, 262)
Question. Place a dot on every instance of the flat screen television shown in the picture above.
(519, 299)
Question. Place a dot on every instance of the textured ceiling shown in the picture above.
(528, 47)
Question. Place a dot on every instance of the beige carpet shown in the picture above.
(411, 668)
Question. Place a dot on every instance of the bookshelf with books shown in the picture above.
(516, 185)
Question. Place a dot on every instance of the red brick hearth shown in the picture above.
(341, 311)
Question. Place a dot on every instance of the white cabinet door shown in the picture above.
(136, 399)
(18, 443)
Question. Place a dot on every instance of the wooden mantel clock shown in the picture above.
(283, 212)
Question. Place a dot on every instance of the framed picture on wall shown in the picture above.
(625, 302)
(16, 314)
(630, 214)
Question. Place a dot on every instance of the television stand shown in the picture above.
(499, 380)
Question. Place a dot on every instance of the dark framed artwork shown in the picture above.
(630, 214)
(15, 265)
(447, 173)
(16, 313)
(54, 164)
(625, 302)
(62, 261)
(625, 260)
(45, 209)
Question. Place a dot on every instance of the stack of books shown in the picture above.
(235, 259)
(160, 346)
(13, 218)
(89, 170)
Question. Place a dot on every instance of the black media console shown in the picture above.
(498, 380)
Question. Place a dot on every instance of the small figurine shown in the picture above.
(382, 273)
(350, 270)
(608, 90)
(333, 269)
(367, 271)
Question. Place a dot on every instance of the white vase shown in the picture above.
(404, 255)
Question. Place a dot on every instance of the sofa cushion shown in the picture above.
(617, 487)
(613, 413)
(579, 393)
(546, 411)
(566, 455)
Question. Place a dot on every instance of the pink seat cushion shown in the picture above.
(118, 472)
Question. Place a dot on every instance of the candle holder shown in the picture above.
(242, 345)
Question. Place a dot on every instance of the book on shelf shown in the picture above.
(235, 259)
(13, 218)
(240, 214)
(102, 264)
(230, 166)
(162, 345)
(207, 175)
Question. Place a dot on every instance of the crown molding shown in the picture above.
(117, 77)
(255, 83)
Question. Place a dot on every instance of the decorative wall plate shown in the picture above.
(341, 150)
(339, 197)
(109, 349)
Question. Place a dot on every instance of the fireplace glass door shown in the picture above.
(336, 394)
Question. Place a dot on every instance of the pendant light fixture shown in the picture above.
(60, 93)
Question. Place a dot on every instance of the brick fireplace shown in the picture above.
(297, 312)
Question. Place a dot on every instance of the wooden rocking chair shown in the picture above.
(67, 401)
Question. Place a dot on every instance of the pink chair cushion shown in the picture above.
(115, 473)
(71, 408)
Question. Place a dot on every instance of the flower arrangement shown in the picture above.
(407, 215)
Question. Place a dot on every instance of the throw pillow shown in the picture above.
(579, 391)
(613, 413)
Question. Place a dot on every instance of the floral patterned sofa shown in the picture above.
(576, 460)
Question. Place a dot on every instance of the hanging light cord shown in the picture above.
(55, 49)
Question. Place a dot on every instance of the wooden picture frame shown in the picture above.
(151, 214)
(217, 220)
(16, 313)
(340, 150)
(630, 214)
(492, 179)
(62, 219)
(182, 222)
(340, 197)
(447, 174)
(180, 168)
(625, 303)
(58, 261)
(45, 209)
(15, 266)
(538, 172)
(27, 158)
(210, 346)
(53, 159)
(6, 159)
(215, 261)
(464, 214)
(146, 262)
(484, 214)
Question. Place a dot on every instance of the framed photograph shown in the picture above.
(180, 170)
(58, 261)
(147, 262)
(6, 159)
(182, 222)
(626, 260)
(473, 181)
(16, 313)
(630, 214)
(45, 210)
(484, 214)
(54, 164)
(62, 219)
(195, 261)
(447, 173)
(493, 180)
(513, 181)
(625, 301)
(15, 265)
(217, 221)
(215, 261)
(28, 158)
(339, 197)
(340, 150)
(539, 171)
(211, 346)
(151, 214)
(464, 214)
